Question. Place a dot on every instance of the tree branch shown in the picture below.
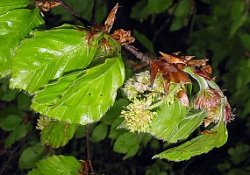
(139, 55)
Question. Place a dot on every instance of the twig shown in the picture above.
(130, 48)
(86, 22)
(88, 150)
(141, 56)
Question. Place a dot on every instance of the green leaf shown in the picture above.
(83, 96)
(17, 134)
(239, 153)
(23, 101)
(144, 41)
(115, 111)
(239, 15)
(236, 25)
(57, 133)
(177, 23)
(11, 122)
(84, 8)
(144, 8)
(186, 126)
(166, 123)
(127, 143)
(159, 6)
(57, 165)
(55, 52)
(245, 40)
(238, 8)
(138, 11)
(14, 26)
(6, 5)
(6, 94)
(100, 11)
(183, 8)
(30, 156)
(100, 132)
(199, 145)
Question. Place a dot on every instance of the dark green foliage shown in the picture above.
(218, 30)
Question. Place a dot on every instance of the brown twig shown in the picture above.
(139, 55)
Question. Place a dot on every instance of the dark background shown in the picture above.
(218, 30)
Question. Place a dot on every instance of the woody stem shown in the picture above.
(141, 56)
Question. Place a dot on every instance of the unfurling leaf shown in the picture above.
(59, 74)
(83, 96)
(199, 145)
(174, 122)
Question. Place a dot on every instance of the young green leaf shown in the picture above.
(17, 134)
(99, 133)
(57, 165)
(127, 143)
(54, 52)
(6, 5)
(144, 8)
(30, 156)
(83, 96)
(11, 122)
(186, 126)
(57, 133)
(199, 145)
(14, 26)
(166, 122)
(144, 41)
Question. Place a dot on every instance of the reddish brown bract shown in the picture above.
(108, 24)
(171, 67)
(46, 5)
(123, 37)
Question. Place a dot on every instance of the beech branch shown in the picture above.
(139, 55)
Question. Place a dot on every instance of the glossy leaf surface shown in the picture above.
(14, 26)
(57, 134)
(83, 96)
(199, 145)
(57, 165)
(6, 5)
(49, 54)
